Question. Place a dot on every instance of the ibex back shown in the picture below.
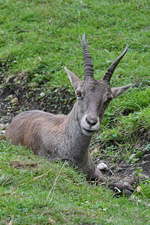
(67, 137)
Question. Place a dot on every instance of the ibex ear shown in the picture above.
(116, 91)
(75, 81)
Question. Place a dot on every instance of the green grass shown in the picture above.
(39, 37)
(40, 192)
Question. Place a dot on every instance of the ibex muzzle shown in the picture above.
(68, 137)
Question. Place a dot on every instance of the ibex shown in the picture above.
(67, 137)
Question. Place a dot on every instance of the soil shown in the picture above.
(17, 96)
(22, 165)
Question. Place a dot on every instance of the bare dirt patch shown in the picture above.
(15, 98)
(23, 165)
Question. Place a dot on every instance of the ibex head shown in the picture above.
(93, 96)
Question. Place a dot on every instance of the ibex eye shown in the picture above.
(78, 93)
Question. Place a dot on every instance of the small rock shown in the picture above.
(14, 101)
(138, 189)
(42, 94)
(9, 97)
(102, 166)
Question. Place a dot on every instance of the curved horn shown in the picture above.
(113, 66)
(88, 65)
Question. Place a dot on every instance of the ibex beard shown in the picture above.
(67, 137)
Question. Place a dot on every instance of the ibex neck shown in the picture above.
(76, 141)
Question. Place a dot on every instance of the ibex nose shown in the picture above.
(91, 120)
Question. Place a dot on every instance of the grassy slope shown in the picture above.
(39, 38)
(37, 193)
